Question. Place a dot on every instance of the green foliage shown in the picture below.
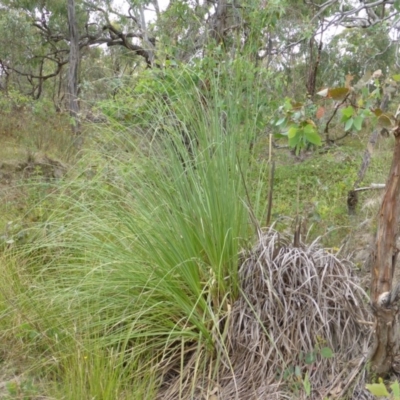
(298, 376)
(35, 125)
(212, 80)
(25, 390)
(380, 390)
(357, 104)
(352, 120)
(326, 352)
(360, 50)
(296, 124)
(14, 101)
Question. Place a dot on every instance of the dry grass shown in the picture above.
(297, 304)
(294, 302)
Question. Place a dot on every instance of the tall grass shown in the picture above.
(138, 264)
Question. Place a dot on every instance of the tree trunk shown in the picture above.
(313, 67)
(384, 294)
(73, 67)
(219, 21)
(147, 42)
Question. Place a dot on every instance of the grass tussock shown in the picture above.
(135, 263)
(301, 318)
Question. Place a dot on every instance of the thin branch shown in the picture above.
(33, 76)
(326, 130)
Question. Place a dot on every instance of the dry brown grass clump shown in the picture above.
(295, 303)
(301, 316)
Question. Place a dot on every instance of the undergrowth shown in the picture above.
(124, 283)
(139, 259)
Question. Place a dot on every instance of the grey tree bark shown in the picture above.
(73, 68)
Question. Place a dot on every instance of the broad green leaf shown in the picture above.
(288, 105)
(280, 121)
(334, 93)
(297, 115)
(396, 78)
(358, 122)
(344, 119)
(297, 371)
(338, 93)
(384, 121)
(377, 389)
(395, 387)
(309, 129)
(326, 352)
(348, 111)
(294, 141)
(313, 137)
(292, 131)
(296, 105)
(310, 358)
(348, 125)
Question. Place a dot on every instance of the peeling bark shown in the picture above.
(384, 295)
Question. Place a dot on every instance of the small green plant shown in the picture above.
(352, 119)
(21, 390)
(298, 376)
(296, 124)
(380, 389)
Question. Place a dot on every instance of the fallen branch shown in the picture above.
(373, 186)
(352, 196)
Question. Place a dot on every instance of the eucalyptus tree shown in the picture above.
(73, 65)
(31, 55)
(40, 54)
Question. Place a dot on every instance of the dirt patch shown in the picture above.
(14, 173)
(35, 166)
